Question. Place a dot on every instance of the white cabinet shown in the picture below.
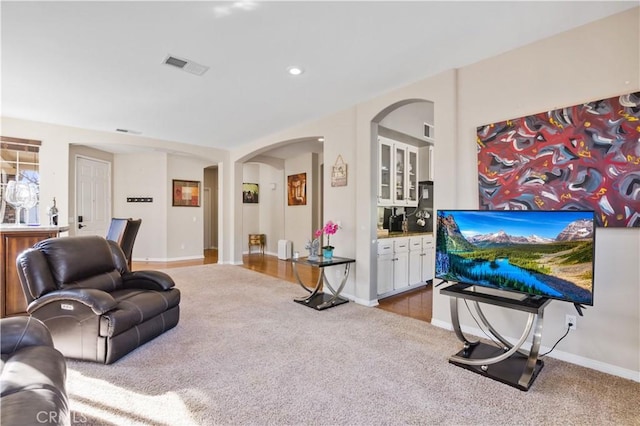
(401, 265)
(429, 258)
(415, 259)
(421, 259)
(385, 266)
(393, 264)
(398, 175)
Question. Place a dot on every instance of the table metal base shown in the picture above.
(510, 364)
(507, 371)
(321, 301)
(316, 298)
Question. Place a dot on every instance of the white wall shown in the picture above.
(593, 62)
(299, 224)
(251, 212)
(185, 238)
(573, 67)
(410, 119)
(272, 205)
(267, 216)
(55, 175)
(137, 175)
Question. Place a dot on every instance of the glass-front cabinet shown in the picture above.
(384, 177)
(412, 176)
(398, 177)
(401, 162)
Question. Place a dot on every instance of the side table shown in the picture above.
(259, 240)
(317, 299)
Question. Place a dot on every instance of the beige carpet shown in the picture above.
(245, 354)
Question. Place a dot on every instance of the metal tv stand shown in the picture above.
(510, 364)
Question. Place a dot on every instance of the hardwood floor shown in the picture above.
(415, 303)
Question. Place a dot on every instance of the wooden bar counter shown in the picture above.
(14, 239)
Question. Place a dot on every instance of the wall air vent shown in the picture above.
(427, 131)
(185, 65)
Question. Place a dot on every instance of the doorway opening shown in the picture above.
(270, 212)
(403, 139)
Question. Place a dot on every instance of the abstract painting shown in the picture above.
(186, 193)
(583, 157)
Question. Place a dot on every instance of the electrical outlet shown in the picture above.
(570, 319)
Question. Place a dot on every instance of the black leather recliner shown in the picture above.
(96, 309)
(32, 375)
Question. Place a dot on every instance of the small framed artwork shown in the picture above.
(297, 189)
(186, 193)
(250, 192)
(339, 172)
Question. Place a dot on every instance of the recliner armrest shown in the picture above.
(20, 332)
(99, 301)
(148, 280)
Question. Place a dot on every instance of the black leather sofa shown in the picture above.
(94, 306)
(32, 375)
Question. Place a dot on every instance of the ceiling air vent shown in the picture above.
(133, 132)
(185, 65)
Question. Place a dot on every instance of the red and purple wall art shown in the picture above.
(584, 157)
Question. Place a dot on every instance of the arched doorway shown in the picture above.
(403, 135)
(270, 213)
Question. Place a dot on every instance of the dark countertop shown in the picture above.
(9, 227)
(404, 234)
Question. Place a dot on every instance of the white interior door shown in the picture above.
(93, 196)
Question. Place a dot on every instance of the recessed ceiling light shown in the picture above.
(320, 139)
(294, 70)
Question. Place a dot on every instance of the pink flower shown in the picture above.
(330, 228)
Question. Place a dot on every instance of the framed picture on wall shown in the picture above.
(186, 193)
(250, 192)
(297, 189)
(339, 172)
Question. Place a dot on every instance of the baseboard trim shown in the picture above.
(365, 302)
(254, 252)
(593, 364)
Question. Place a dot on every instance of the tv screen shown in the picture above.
(541, 253)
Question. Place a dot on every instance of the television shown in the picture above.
(538, 253)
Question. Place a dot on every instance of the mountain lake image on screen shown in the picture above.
(541, 253)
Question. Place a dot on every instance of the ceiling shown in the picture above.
(99, 65)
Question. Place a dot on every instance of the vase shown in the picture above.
(327, 253)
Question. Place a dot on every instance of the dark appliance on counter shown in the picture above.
(392, 221)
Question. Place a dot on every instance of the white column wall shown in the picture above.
(597, 61)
